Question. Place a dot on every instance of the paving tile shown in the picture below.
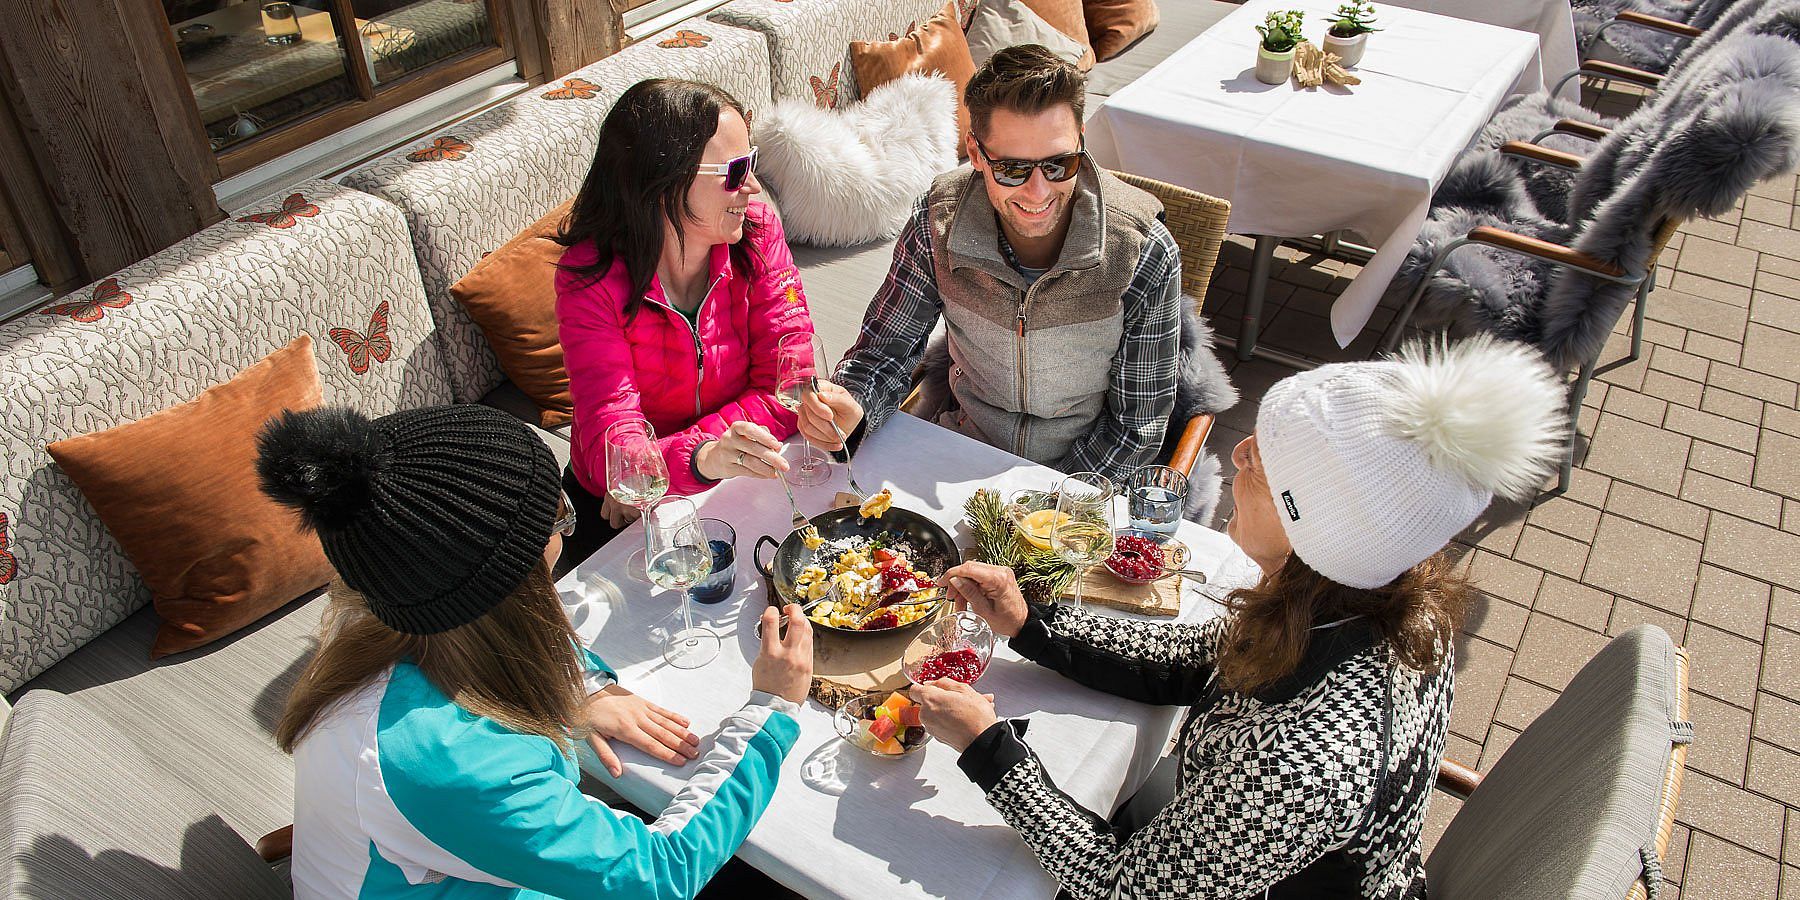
(1728, 496)
(1723, 665)
(1674, 863)
(1790, 883)
(1440, 810)
(1711, 229)
(1521, 702)
(1685, 310)
(1778, 464)
(1716, 870)
(1786, 421)
(1552, 651)
(1662, 334)
(1715, 259)
(1721, 462)
(1481, 669)
(1778, 265)
(1790, 516)
(1774, 771)
(1784, 610)
(1462, 750)
(1790, 847)
(1713, 429)
(1574, 602)
(1721, 402)
(1638, 453)
(1566, 517)
(1504, 577)
(1497, 529)
(1551, 551)
(1781, 663)
(1633, 405)
(1644, 563)
(1765, 209)
(1628, 614)
(1716, 808)
(1751, 384)
(1673, 388)
(1585, 487)
(1767, 238)
(1770, 351)
(1732, 602)
(1774, 283)
(1689, 283)
(1775, 310)
(1663, 511)
(1754, 550)
(1499, 739)
(1721, 739)
(1679, 363)
(1498, 620)
(1715, 348)
(1777, 721)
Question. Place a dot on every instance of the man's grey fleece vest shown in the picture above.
(1030, 368)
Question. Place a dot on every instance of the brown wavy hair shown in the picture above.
(516, 665)
(1416, 615)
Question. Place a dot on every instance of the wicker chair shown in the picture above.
(1197, 222)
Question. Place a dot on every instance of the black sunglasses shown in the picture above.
(1014, 172)
(736, 171)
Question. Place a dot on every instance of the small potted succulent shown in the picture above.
(1275, 53)
(1349, 31)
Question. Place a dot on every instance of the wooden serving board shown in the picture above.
(1158, 598)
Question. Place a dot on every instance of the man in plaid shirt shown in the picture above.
(1058, 285)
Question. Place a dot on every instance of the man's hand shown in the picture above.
(617, 514)
(745, 448)
(991, 592)
(953, 712)
(784, 667)
(831, 404)
(619, 714)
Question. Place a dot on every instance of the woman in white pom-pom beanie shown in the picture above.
(1321, 701)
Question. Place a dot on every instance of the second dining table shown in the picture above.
(842, 822)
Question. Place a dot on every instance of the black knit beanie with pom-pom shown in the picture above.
(435, 515)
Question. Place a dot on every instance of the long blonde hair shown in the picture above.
(517, 664)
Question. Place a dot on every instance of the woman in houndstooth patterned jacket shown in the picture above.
(1319, 704)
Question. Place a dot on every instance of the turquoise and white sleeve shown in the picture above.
(463, 796)
(595, 673)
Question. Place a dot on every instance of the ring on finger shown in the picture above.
(740, 460)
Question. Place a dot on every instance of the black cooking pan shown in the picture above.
(933, 551)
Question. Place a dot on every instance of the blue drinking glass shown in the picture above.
(721, 538)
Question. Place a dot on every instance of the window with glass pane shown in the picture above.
(401, 36)
(256, 64)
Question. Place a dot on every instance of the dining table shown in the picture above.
(843, 822)
(1297, 162)
(1553, 21)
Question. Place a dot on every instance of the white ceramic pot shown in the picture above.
(1272, 67)
(1349, 50)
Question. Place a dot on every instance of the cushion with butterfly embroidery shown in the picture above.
(936, 45)
(511, 295)
(178, 490)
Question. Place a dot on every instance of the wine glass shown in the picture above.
(679, 557)
(798, 357)
(1082, 534)
(635, 472)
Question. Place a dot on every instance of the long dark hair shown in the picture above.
(1417, 615)
(650, 145)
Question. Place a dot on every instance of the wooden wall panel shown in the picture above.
(574, 33)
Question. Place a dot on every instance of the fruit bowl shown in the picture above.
(881, 724)
(955, 646)
(1141, 557)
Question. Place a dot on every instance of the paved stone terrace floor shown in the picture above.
(1684, 512)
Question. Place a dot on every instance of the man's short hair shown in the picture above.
(1027, 79)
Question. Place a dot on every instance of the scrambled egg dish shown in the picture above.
(809, 536)
(859, 583)
(877, 504)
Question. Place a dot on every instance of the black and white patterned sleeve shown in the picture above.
(1181, 643)
(1258, 813)
(1161, 663)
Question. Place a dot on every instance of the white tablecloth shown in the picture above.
(1551, 20)
(845, 824)
(1299, 162)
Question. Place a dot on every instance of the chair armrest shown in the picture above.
(277, 845)
(1456, 779)
(1530, 246)
(1580, 129)
(1658, 23)
(911, 403)
(1605, 69)
(1545, 155)
(1193, 437)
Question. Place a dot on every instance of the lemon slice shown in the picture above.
(1036, 527)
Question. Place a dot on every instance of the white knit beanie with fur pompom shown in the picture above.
(1376, 466)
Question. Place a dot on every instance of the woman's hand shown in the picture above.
(991, 592)
(617, 514)
(745, 448)
(953, 712)
(820, 410)
(784, 667)
(619, 714)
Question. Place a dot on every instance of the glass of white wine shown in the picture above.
(1082, 532)
(680, 557)
(798, 358)
(635, 472)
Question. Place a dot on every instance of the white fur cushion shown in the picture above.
(850, 176)
(998, 25)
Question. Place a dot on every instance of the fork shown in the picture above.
(845, 440)
(800, 520)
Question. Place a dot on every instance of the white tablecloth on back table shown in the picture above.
(1300, 162)
(1551, 20)
(843, 823)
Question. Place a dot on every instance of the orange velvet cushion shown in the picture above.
(511, 295)
(937, 45)
(1067, 17)
(178, 491)
(1112, 25)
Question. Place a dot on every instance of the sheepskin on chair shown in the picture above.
(850, 176)
(1644, 48)
(1201, 386)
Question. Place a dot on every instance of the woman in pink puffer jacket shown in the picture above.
(671, 298)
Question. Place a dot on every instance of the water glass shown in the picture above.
(721, 541)
(1156, 496)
